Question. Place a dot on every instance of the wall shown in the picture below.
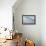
(29, 7)
(43, 22)
(6, 13)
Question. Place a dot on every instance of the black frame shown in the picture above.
(29, 23)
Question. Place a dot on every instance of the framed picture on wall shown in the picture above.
(28, 19)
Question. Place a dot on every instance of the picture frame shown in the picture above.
(28, 19)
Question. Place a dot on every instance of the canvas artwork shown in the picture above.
(29, 19)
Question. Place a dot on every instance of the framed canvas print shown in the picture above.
(28, 19)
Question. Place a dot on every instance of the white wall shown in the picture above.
(29, 7)
(36, 32)
(43, 22)
(6, 13)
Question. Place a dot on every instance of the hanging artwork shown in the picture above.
(28, 19)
